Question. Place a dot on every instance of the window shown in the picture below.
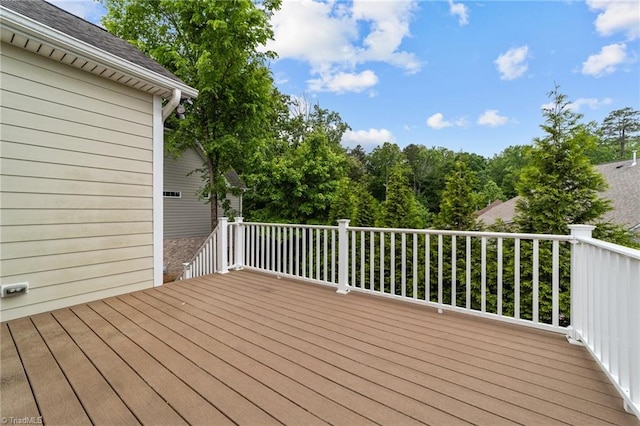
(172, 194)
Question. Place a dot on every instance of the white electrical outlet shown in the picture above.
(9, 290)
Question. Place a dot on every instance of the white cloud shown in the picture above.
(461, 11)
(326, 35)
(606, 61)
(512, 64)
(437, 121)
(617, 16)
(344, 82)
(491, 118)
(592, 103)
(367, 138)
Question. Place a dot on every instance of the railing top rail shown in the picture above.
(625, 251)
(548, 237)
(512, 235)
(289, 225)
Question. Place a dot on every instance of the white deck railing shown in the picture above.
(605, 306)
(510, 277)
(573, 284)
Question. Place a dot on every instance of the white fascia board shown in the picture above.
(50, 36)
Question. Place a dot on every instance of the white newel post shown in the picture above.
(186, 271)
(239, 243)
(343, 256)
(223, 264)
(578, 281)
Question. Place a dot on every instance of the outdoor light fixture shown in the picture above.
(180, 112)
(180, 108)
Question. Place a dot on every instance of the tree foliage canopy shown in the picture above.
(459, 200)
(216, 47)
(559, 186)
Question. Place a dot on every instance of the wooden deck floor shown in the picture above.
(251, 349)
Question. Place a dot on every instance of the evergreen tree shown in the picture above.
(400, 209)
(560, 187)
(619, 127)
(458, 206)
(343, 205)
(367, 209)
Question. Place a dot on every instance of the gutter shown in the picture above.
(172, 104)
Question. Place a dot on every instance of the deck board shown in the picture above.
(143, 401)
(248, 348)
(16, 396)
(102, 402)
(53, 393)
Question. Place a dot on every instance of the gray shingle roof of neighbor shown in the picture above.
(623, 191)
(234, 180)
(71, 25)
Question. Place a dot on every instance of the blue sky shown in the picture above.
(470, 76)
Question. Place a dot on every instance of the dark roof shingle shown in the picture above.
(623, 179)
(73, 26)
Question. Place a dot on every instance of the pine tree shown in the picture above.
(560, 187)
(458, 206)
(619, 127)
(367, 208)
(343, 204)
(400, 208)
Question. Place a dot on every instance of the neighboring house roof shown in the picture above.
(623, 191)
(47, 30)
(504, 211)
(234, 180)
(489, 207)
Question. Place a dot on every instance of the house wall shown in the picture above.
(76, 194)
(187, 216)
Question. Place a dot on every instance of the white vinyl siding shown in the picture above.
(76, 185)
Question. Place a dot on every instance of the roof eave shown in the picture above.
(17, 28)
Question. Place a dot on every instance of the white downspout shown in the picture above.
(171, 105)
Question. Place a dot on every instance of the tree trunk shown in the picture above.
(213, 195)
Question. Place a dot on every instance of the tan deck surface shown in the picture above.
(251, 349)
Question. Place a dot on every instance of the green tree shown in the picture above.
(356, 167)
(440, 163)
(490, 192)
(459, 200)
(401, 207)
(344, 202)
(367, 209)
(216, 47)
(619, 127)
(418, 160)
(379, 165)
(505, 168)
(560, 186)
(298, 186)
